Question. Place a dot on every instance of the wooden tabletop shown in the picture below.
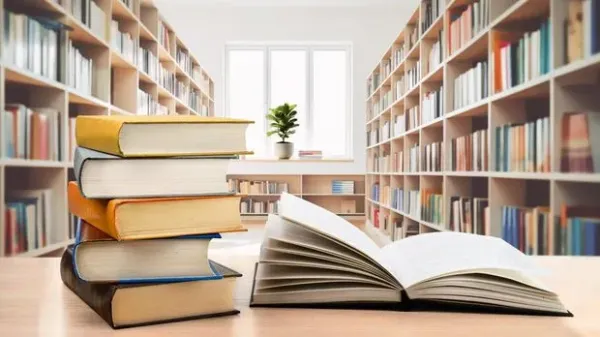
(34, 302)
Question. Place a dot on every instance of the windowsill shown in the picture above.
(297, 160)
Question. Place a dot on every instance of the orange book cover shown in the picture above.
(102, 214)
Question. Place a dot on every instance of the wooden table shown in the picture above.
(34, 302)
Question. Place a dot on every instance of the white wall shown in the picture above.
(205, 29)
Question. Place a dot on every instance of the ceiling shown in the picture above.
(290, 3)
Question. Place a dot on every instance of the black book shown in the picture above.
(313, 258)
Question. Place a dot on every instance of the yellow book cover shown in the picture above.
(162, 136)
(151, 218)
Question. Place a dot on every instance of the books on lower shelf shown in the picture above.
(398, 162)
(397, 199)
(413, 117)
(432, 9)
(166, 78)
(381, 163)
(123, 42)
(253, 206)
(147, 105)
(431, 207)
(384, 131)
(373, 137)
(576, 233)
(257, 187)
(399, 125)
(523, 147)
(414, 204)
(467, 23)
(384, 196)
(399, 88)
(436, 54)
(471, 86)
(432, 106)
(148, 63)
(31, 45)
(413, 76)
(375, 192)
(28, 221)
(163, 36)
(414, 157)
(31, 133)
(398, 229)
(469, 215)
(580, 145)
(582, 25)
(184, 60)
(342, 186)
(80, 70)
(434, 157)
(520, 60)
(470, 152)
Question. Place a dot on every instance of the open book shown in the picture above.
(312, 257)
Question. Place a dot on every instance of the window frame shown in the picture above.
(310, 48)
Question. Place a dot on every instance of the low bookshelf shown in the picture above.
(119, 58)
(471, 113)
(341, 194)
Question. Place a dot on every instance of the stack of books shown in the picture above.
(342, 187)
(310, 154)
(150, 195)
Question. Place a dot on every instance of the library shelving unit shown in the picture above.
(403, 133)
(312, 187)
(112, 89)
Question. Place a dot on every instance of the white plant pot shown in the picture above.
(284, 150)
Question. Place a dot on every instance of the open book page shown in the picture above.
(427, 256)
(321, 220)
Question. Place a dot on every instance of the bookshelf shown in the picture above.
(314, 188)
(406, 130)
(58, 93)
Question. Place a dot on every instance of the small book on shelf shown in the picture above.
(313, 258)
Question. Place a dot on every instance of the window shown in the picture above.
(315, 77)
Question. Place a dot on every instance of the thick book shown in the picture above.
(124, 305)
(100, 258)
(311, 257)
(102, 175)
(163, 136)
(153, 218)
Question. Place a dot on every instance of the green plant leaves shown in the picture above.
(283, 120)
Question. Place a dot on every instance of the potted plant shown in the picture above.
(283, 121)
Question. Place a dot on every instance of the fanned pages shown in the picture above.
(310, 256)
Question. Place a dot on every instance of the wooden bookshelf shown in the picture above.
(115, 82)
(312, 187)
(563, 88)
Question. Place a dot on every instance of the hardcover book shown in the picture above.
(135, 304)
(311, 257)
(99, 258)
(152, 218)
(162, 136)
(102, 175)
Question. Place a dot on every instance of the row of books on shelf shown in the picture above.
(251, 206)
(386, 68)
(466, 23)
(580, 142)
(436, 53)
(434, 157)
(31, 133)
(518, 60)
(399, 125)
(397, 199)
(432, 9)
(582, 27)
(32, 44)
(123, 42)
(471, 86)
(91, 15)
(523, 147)
(469, 215)
(470, 152)
(380, 163)
(431, 207)
(184, 60)
(148, 62)
(257, 187)
(535, 231)
(28, 220)
(342, 187)
(373, 83)
(82, 70)
(432, 106)
(413, 76)
(164, 37)
(399, 88)
(414, 155)
(412, 36)
(398, 54)
(414, 117)
(147, 105)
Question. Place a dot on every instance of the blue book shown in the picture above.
(99, 258)
(590, 236)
